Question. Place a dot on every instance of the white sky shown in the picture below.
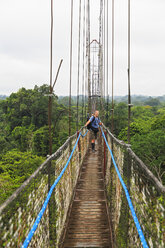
(25, 41)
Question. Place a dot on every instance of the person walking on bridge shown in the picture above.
(93, 125)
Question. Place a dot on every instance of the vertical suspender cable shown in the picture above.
(101, 78)
(50, 91)
(51, 202)
(78, 76)
(129, 91)
(107, 63)
(102, 41)
(86, 61)
(70, 84)
(83, 64)
(112, 112)
(92, 82)
(89, 74)
(104, 50)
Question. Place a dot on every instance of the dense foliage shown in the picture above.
(15, 168)
(147, 131)
(24, 134)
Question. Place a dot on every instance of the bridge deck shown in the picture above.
(88, 224)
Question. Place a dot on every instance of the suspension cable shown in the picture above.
(104, 49)
(83, 72)
(86, 62)
(129, 52)
(107, 61)
(50, 114)
(50, 90)
(70, 84)
(112, 110)
(89, 74)
(101, 40)
(78, 76)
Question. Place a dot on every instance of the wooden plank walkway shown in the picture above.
(88, 224)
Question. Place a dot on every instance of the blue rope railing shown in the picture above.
(84, 134)
(37, 221)
(140, 232)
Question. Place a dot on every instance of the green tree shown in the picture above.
(142, 112)
(120, 117)
(152, 102)
(15, 168)
(26, 107)
(150, 148)
(40, 141)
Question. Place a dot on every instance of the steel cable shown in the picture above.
(78, 74)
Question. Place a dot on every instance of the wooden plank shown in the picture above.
(88, 223)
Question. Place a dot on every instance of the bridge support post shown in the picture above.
(123, 229)
(112, 192)
(52, 207)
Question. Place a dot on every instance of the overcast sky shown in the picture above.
(25, 41)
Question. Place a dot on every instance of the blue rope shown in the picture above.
(142, 238)
(84, 134)
(35, 225)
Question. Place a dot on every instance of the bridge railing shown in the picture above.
(18, 213)
(146, 192)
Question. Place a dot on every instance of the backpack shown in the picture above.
(89, 125)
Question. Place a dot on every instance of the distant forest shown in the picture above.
(136, 99)
(24, 131)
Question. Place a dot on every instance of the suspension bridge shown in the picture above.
(77, 198)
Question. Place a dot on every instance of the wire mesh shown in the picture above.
(19, 212)
(146, 192)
